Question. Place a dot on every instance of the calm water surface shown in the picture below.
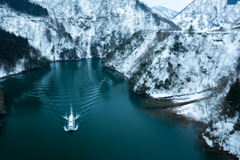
(111, 125)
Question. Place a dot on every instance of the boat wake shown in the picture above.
(66, 129)
(71, 125)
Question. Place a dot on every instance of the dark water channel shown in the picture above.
(111, 126)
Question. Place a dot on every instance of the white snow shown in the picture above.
(233, 143)
(199, 72)
(91, 24)
(164, 12)
(196, 74)
(208, 14)
(209, 142)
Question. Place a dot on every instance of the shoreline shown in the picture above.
(166, 107)
(225, 154)
(34, 69)
(22, 72)
(3, 108)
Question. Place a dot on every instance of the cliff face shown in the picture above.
(196, 67)
(78, 29)
(209, 15)
(159, 61)
(178, 64)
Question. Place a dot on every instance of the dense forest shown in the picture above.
(13, 48)
(24, 6)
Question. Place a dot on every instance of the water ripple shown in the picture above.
(58, 94)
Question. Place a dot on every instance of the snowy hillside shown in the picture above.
(190, 67)
(164, 12)
(159, 61)
(180, 64)
(209, 15)
(86, 29)
(183, 68)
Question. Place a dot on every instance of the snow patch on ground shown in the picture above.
(194, 112)
(209, 142)
(221, 134)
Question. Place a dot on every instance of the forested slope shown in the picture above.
(82, 29)
(15, 52)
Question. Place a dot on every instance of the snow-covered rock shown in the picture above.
(209, 15)
(89, 28)
(162, 64)
(198, 68)
(221, 134)
(164, 12)
(203, 60)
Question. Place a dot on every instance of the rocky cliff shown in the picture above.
(196, 67)
(78, 29)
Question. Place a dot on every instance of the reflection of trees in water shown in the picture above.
(139, 101)
(113, 78)
(19, 87)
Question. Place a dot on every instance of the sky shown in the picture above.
(176, 5)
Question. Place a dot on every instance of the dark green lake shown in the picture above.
(111, 126)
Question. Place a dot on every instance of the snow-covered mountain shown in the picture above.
(197, 68)
(209, 15)
(164, 12)
(183, 67)
(86, 28)
(190, 67)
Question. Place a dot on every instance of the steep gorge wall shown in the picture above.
(196, 66)
(178, 65)
(158, 60)
(196, 70)
(78, 29)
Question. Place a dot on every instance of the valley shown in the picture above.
(191, 61)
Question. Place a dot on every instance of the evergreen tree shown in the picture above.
(191, 31)
(178, 46)
(13, 48)
(233, 100)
